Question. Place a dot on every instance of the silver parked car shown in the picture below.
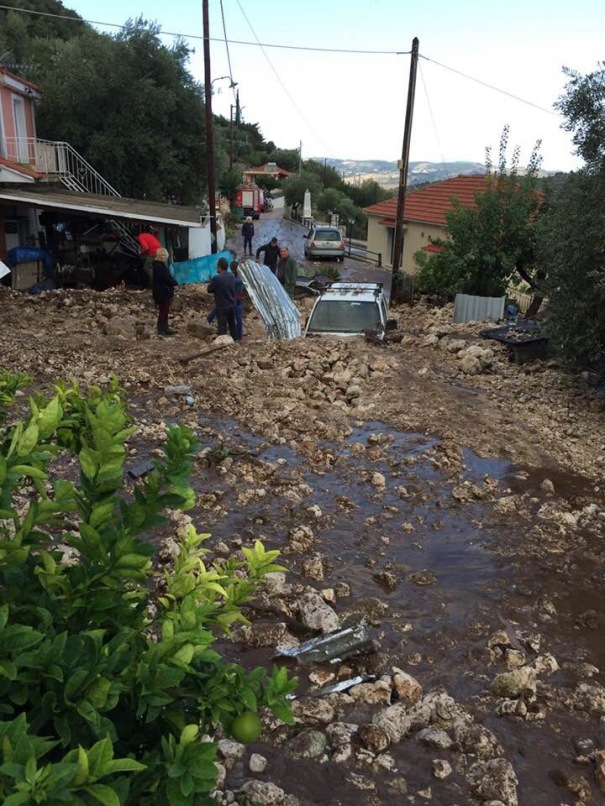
(324, 241)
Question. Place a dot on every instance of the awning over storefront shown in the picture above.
(49, 198)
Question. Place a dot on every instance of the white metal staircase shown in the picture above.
(59, 161)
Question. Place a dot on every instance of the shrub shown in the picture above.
(108, 677)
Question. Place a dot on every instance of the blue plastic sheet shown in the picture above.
(199, 269)
(23, 254)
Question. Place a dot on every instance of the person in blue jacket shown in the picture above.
(222, 285)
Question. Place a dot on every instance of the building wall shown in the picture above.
(417, 236)
(7, 122)
(381, 238)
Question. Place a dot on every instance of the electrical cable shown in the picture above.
(489, 86)
(211, 39)
(435, 132)
(283, 86)
(228, 54)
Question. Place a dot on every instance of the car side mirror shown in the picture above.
(391, 324)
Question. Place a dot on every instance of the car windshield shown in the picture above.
(327, 235)
(344, 316)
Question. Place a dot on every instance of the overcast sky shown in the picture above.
(352, 104)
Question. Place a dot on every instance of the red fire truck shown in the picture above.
(250, 199)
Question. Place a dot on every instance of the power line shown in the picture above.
(283, 86)
(228, 54)
(263, 45)
(489, 86)
(211, 39)
(436, 133)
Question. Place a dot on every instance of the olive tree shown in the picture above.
(487, 243)
(571, 237)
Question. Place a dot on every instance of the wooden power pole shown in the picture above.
(405, 160)
(209, 131)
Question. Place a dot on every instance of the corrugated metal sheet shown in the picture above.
(270, 299)
(468, 308)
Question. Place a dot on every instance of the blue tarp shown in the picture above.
(198, 270)
(23, 254)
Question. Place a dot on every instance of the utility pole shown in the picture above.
(231, 136)
(300, 158)
(209, 131)
(405, 160)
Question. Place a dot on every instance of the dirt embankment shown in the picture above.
(531, 414)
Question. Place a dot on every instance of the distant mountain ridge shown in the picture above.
(387, 173)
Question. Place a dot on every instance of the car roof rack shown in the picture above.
(359, 288)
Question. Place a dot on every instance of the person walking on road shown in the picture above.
(162, 290)
(271, 251)
(248, 233)
(287, 270)
(222, 285)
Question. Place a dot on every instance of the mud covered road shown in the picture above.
(450, 499)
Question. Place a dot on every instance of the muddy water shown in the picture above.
(418, 530)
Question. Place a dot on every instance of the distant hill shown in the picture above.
(387, 174)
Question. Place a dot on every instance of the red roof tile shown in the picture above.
(262, 169)
(430, 204)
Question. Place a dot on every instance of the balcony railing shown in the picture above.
(57, 160)
(60, 162)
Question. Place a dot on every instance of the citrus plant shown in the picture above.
(106, 685)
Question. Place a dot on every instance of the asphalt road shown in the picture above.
(291, 234)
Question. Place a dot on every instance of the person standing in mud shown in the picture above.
(162, 290)
(149, 245)
(239, 300)
(248, 234)
(287, 270)
(222, 285)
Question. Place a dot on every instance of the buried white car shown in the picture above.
(350, 309)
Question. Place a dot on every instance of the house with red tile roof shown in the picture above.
(423, 217)
(269, 169)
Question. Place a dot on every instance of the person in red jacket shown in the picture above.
(149, 245)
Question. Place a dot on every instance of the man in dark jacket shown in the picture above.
(248, 234)
(271, 251)
(222, 286)
(162, 290)
(287, 270)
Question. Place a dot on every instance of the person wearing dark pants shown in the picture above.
(222, 285)
(162, 290)
(248, 234)
(239, 300)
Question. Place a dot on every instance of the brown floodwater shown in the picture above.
(482, 575)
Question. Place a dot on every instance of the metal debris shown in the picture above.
(332, 647)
